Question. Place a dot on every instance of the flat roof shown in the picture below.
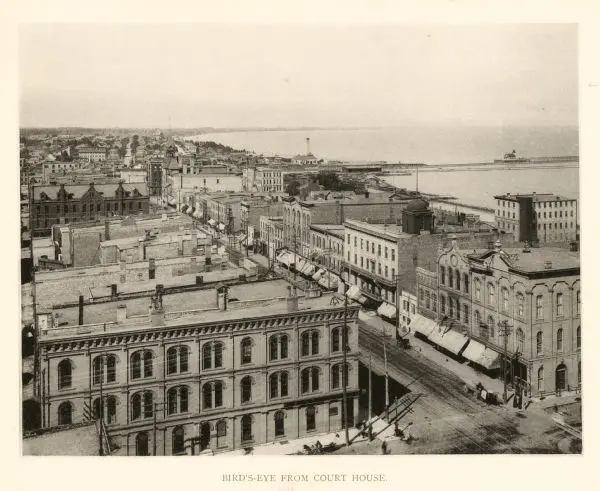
(391, 230)
(246, 301)
(536, 197)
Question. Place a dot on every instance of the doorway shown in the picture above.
(561, 377)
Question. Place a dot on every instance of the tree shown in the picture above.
(293, 188)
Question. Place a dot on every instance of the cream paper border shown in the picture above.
(443, 472)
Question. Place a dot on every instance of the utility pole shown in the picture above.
(101, 448)
(370, 392)
(505, 330)
(344, 370)
(387, 391)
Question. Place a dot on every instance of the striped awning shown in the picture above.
(474, 351)
(450, 340)
(354, 292)
(422, 325)
(197, 214)
(221, 226)
(212, 222)
(318, 274)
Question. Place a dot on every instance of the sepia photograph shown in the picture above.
(299, 240)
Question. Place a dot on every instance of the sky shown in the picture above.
(107, 75)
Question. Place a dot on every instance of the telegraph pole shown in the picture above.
(370, 383)
(387, 391)
(505, 330)
(101, 448)
(344, 369)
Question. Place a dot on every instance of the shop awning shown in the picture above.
(286, 258)
(329, 281)
(474, 351)
(184, 208)
(300, 263)
(451, 340)
(221, 226)
(354, 292)
(387, 310)
(318, 274)
(197, 214)
(308, 269)
(212, 222)
(422, 325)
(490, 359)
(172, 201)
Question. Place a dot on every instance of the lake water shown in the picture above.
(432, 145)
(436, 146)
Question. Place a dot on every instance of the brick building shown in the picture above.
(63, 204)
(536, 291)
(218, 369)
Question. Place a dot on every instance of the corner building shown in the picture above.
(217, 378)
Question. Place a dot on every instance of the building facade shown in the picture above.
(271, 235)
(263, 179)
(217, 382)
(63, 204)
(527, 300)
(92, 154)
(327, 246)
(537, 218)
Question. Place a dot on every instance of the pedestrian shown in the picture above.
(384, 448)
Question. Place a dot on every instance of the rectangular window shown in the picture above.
(393, 254)
(539, 307)
(386, 272)
(348, 239)
(443, 304)
(559, 305)
(386, 252)
(379, 250)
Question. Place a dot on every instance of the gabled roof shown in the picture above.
(78, 190)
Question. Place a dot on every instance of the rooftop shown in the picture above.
(537, 197)
(246, 301)
(330, 228)
(391, 230)
(74, 440)
(78, 190)
(536, 260)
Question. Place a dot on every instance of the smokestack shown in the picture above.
(80, 310)
(308, 146)
(113, 290)
(292, 300)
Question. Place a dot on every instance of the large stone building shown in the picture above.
(263, 179)
(535, 291)
(537, 218)
(63, 204)
(92, 154)
(205, 370)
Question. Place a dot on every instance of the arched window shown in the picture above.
(178, 440)
(177, 359)
(539, 343)
(491, 294)
(278, 347)
(477, 285)
(442, 275)
(278, 385)
(520, 304)
(138, 359)
(539, 307)
(477, 319)
(560, 312)
(491, 326)
(221, 433)
(310, 343)
(65, 413)
(466, 282)
(110, 410)
(505, 299)
(578, 337)
(310, 418)
(177, 400)
(335, 339)
(246, 351)
(457, 279)
(520, 338)
(540, 379)
(336, 370)
(246, 424)
(147, 364)
(136, 406)
(559, 340)
(207, 356)
(65, 373)
(246, 389)
(450, 277)
(310, 380)
(279, 423)
(104, 368)
(212, 395)
(141, 444)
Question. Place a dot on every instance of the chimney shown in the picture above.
(366, 194)
(548, 265)
(307, 146)
(121, 313)
(199, 280)
(292, 300)
(453, 241)
(497, 246)
(113, 290)
(80, 310)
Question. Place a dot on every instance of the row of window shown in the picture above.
(143, 405)
(363, 242)
(142, 362)
(84, 208)
(454, 279)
